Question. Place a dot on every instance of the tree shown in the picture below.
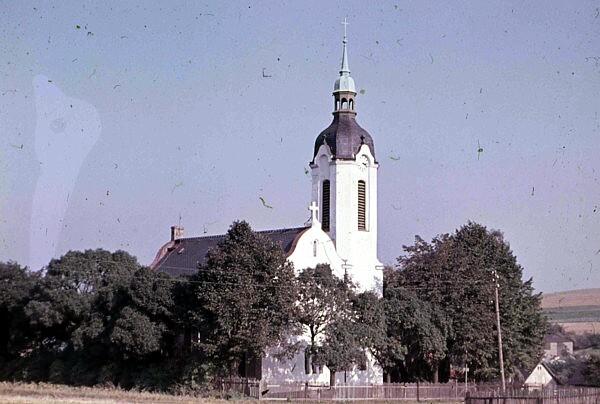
(322, 299)
(592, 370)
(62, 301)
(454, 273)
(245, 298)
(16, 283)
(341, 348)
(419, 327)
(374, 327)
(130, 320)
(342, 325)
(99, 317)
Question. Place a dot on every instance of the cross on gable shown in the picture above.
(314, 209)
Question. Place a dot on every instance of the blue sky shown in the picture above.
(158, 110)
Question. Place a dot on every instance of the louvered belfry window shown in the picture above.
(325, 206)
(362, 206)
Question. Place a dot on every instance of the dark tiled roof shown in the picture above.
(556, 338)
(182, 257)
(344, 137)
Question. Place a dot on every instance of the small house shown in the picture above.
(557, 345)
(540, 377)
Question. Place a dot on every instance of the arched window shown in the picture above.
(351, 104)
(325, 206)
(344, 103)
(362, 206)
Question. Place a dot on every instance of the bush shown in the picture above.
(56, 373)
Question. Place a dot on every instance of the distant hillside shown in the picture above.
(576, 310)
(569, 298)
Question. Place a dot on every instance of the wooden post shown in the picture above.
(500, 355)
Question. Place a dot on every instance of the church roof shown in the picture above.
(182, 257)
(344, 137)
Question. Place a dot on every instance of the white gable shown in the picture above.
(315, 247)
(539, 378)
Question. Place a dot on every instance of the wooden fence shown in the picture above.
(562, 395)
(481, 393)
(387, 391)
(237, 387)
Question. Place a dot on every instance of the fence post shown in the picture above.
(418, 397)
(468, 398)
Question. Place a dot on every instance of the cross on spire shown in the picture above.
(345, 24)
(345, 69)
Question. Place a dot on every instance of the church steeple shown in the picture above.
(344, 89)
(344, 136)
(344, 183)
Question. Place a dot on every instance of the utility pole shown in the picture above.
(500, 355)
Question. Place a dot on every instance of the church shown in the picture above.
(342, 231)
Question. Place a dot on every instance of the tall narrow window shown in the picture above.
(362, 206)
(325, 206)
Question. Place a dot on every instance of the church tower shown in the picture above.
(344, 184)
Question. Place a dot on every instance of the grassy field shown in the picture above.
(575, 314)
(48, 393)
(44, 393)
(577, 311)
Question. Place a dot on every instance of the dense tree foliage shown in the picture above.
(245, 298)
(93, 317)
(592, 370)
(418, 326)
(99, 317)
(16, 284)
(454, 274)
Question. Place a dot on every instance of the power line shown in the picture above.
(440, 284)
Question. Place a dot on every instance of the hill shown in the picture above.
(569, 298)
(576, 310)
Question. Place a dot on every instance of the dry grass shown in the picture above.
(570, 298)
(44, 393)
(49, 393)
(583, 327)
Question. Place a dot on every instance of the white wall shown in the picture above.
(314, 247)
(358, 248)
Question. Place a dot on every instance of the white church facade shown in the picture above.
(342, 232)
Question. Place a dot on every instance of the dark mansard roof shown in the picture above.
(182, 257)
(344, 137)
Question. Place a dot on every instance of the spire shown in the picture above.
(344, 82)
(345, 69)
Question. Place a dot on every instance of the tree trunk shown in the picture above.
(436, 372)
(388, 377)
(331, 378)
(234, 367)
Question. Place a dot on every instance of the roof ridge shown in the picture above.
(216, 236)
